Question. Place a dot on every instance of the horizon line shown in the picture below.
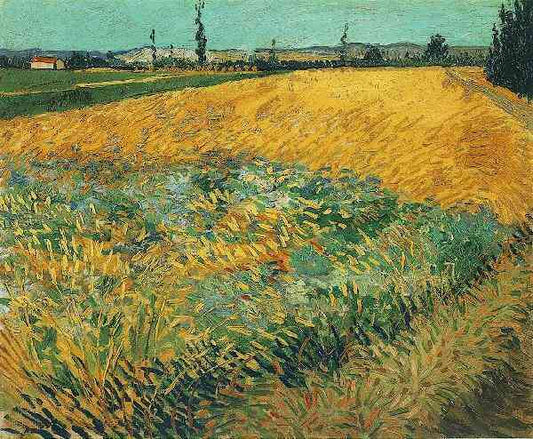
(239, 49)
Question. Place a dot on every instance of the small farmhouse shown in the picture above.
(47, 63)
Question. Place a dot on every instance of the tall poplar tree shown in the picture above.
(343, 55)
(200, 37)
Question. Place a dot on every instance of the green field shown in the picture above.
(47, 101)
(230, 297)
(19, 80)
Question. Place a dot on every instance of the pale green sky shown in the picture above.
(120, 24)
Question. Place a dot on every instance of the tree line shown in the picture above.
(510, 60)
(436, 53)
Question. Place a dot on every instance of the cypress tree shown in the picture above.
(272, 57)
(510, 61)
(493, 63)
(154, 48)
(200, 37)
(344, 45)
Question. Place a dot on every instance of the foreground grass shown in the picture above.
(454, 374)
(20, 80)
(234, 296)
(63, 100)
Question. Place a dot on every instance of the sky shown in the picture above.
(240, 24)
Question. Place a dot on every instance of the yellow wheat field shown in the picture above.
(422, 131)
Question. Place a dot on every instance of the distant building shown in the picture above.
(47, 63)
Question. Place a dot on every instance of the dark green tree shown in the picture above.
(373, 55)
(437, 49)
(154, 48)
(201, 39)
(78, 61)
(343, 55)
(493, 66)
(272, 56)
(510, 60)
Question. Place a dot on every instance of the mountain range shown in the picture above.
(144, 54)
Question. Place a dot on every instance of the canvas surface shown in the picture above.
(266, 219)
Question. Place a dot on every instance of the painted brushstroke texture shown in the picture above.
(150, 254)
(102, 24)
(445, 141)
(198, 284)
(326, 242)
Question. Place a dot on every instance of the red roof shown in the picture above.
(45, 59)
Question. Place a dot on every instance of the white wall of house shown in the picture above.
(42, 65)
(60, 64)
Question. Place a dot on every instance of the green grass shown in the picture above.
(20, 80)
(32, 104)
(156, 295)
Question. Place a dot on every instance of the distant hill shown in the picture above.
(393, 50)
(63, 54)
(144, 54)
